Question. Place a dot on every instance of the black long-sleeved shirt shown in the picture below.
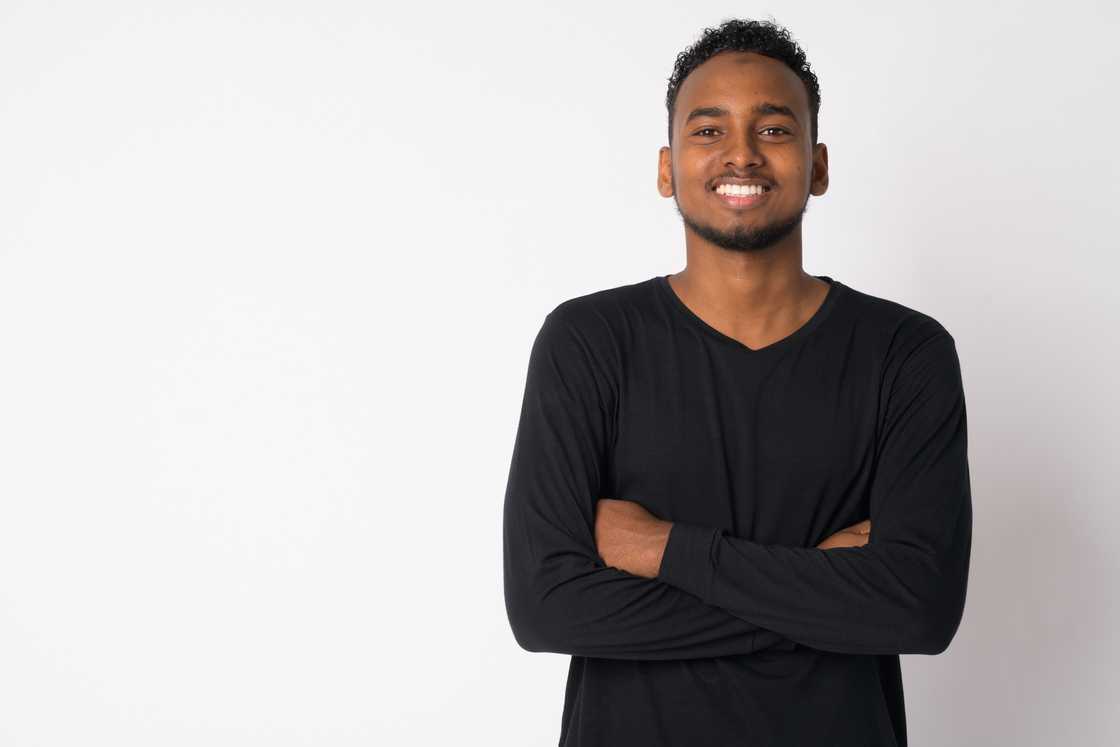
(750, 634)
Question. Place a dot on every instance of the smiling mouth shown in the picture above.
(742, 199)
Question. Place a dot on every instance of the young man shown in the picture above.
(738, 493)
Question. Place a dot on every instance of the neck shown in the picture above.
(753, 296)
(748, 283)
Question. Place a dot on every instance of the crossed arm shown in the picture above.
(598, 577)
(630, 538)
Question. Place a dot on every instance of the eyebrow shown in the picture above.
(766, 107)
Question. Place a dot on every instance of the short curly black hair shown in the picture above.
(764, 37)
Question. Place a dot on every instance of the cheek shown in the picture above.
(692, 170)
(692, 181)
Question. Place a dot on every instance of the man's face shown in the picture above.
(720, 134)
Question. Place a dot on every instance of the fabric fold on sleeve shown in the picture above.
(688, 561)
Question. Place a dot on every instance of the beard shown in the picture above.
(745, 238)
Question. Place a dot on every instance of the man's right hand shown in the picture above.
(854, 536)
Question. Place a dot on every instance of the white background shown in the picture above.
(269, 274)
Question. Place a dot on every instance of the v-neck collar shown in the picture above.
(835, 288)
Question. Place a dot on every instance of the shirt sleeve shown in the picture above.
(904, 591)
(560, 595)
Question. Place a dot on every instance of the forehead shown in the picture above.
(738, 80)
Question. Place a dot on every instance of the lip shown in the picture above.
(742, 201)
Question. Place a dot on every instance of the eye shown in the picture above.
(701, 132)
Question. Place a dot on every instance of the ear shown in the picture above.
(665, 171)
(818, 185)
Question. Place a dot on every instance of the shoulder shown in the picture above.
(912, 346)
(896, 326)
(593, 332)
(604, 308)
(605, 320)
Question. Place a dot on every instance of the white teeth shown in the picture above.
(738, 189)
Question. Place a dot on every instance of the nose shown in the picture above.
(743, 152)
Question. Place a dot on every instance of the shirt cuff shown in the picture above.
(689, 558)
